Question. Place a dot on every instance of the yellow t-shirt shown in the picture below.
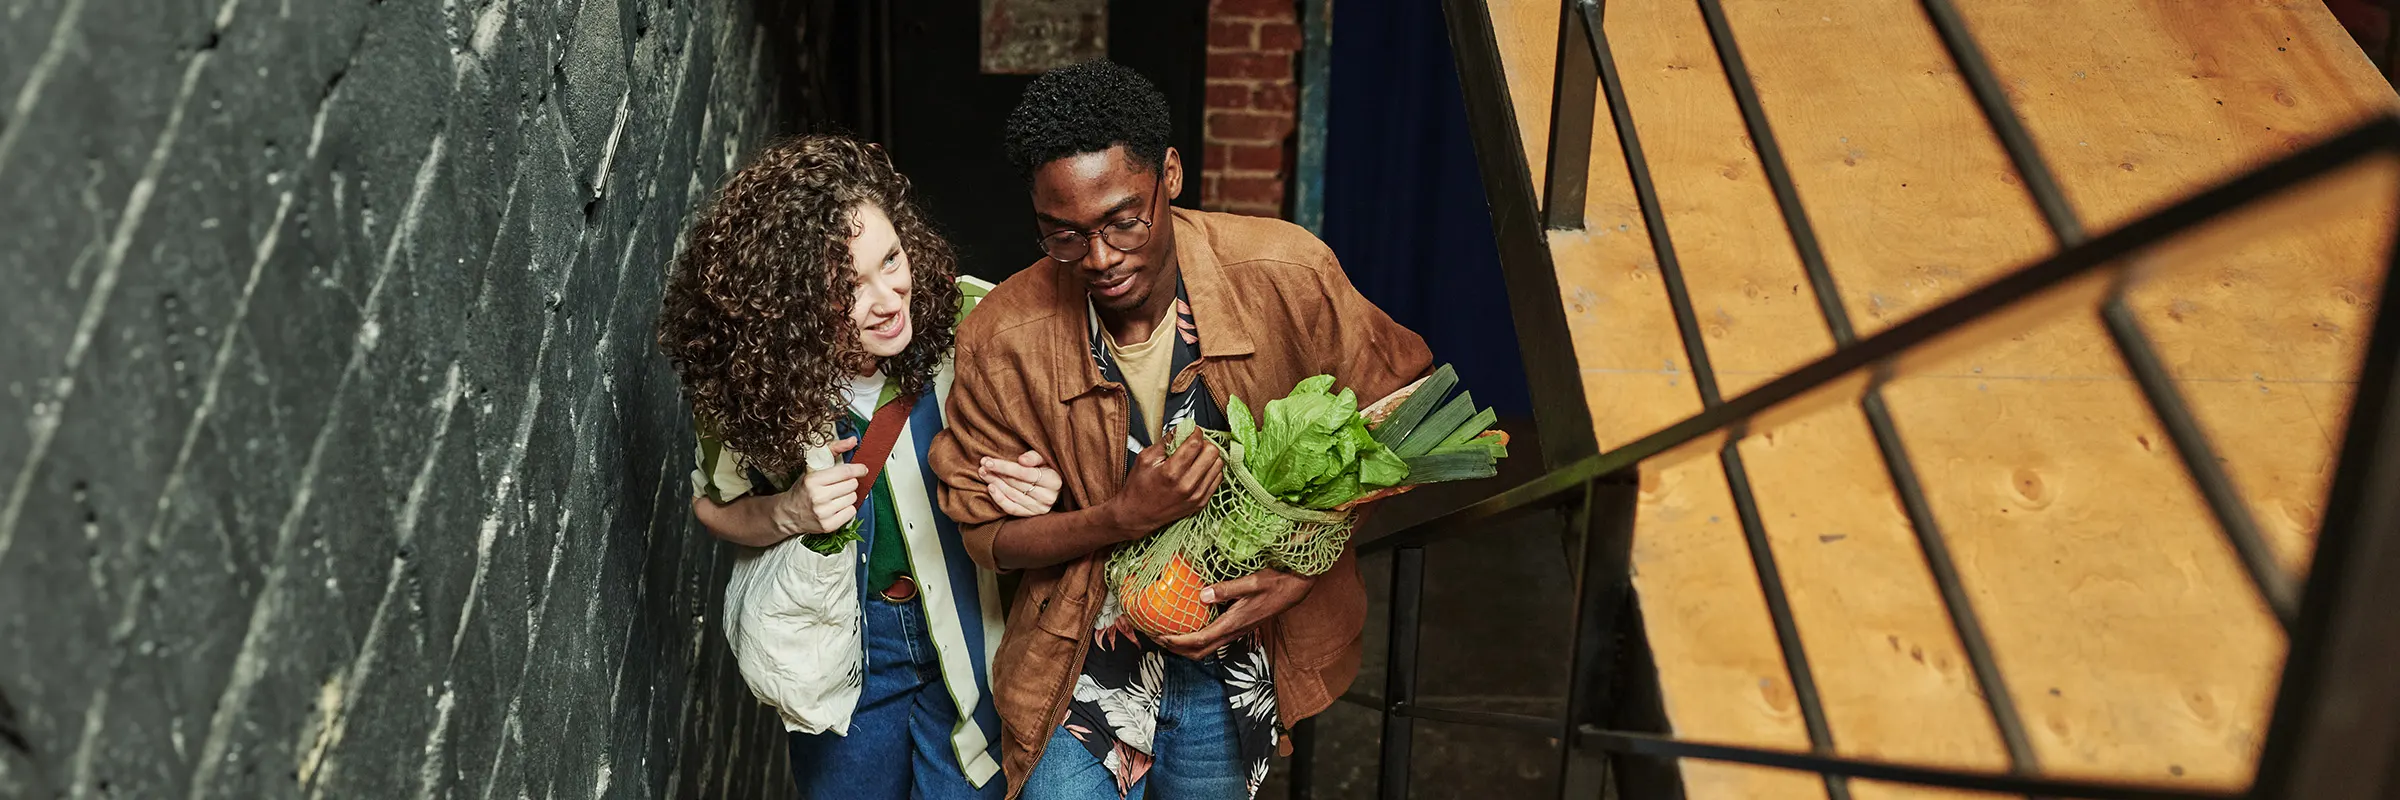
(1147, 367)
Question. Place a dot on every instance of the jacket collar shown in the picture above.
(1216, 309)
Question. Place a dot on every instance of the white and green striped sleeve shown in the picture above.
(717, 475)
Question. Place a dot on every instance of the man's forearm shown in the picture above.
(1058, 537)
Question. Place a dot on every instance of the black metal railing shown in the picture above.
(1597, 492)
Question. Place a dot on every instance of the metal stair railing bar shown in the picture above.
(2199, 458)
(1598, 491)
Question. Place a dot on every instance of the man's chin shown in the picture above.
(1131, 300)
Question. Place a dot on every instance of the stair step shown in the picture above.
(2126, 629)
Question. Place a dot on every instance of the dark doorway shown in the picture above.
(1404, 205)
(941, 116)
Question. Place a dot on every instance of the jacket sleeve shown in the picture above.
(718, 474)
(1370, 352)
(975, 430)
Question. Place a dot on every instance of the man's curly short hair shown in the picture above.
(1087, 108)
(757, 310)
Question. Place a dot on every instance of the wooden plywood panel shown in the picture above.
(1879, 790)
(1528, 36)
(2329, 404)
(1617, 295)
(1895, 682)
(2122, 620)
(2277, 451)
(2258, 309)
(2136, 102)
(1746, 283)
(2282, 294)
(1912, 199)
(2056, 486)
(1889, 669)
(1720, 675)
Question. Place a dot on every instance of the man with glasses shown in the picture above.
(1139, 316)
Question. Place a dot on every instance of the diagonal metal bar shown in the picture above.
(1603, 527)
(2200, 461)
(1902, 469)
(1570, 147)
(1938, 562)
(2232, 514)
(1661, 746)
(1654, 217)
(1993, 100)
(2336, 720)
(1547, 491)
(1778, 172)
(2157, 384)
(1737, 478)
(1779, 611)
(1801, 388)
(1527, 723)
(1560, 413)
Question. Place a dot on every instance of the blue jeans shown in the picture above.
(1195, 755)
(899, 742)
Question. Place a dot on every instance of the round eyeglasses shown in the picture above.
(1071, 246)
(1126, 235)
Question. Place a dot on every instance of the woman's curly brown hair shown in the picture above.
(757, 312)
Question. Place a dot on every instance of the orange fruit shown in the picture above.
(1171, 604)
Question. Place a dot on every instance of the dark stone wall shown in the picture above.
(337, 460)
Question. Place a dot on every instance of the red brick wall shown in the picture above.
(1253, 46)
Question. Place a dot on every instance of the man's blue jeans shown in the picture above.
(1195, 753)
(899, 742)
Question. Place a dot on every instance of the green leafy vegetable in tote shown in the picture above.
(1380, 467)
(1442, 438)
(1412, 411)
(1243, 427)
(1314, 450)
(831, 543)
(1452, 464)
(1293, 473)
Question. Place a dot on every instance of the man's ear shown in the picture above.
(1174, 176)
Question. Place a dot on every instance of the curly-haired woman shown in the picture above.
(812, 309)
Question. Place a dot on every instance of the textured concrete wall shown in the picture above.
(337, 461)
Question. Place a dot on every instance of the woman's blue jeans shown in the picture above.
(899, 742)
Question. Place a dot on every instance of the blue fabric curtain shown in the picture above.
(1404, 204)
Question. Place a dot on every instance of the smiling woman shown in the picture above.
(811, 321)
(754, 315)
(880, 270)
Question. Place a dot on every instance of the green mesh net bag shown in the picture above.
(1241, 530)
(1419, 434)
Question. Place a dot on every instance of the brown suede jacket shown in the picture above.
(1273, 308)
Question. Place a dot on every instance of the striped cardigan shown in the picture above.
(962, 602)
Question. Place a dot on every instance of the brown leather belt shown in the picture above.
(901, 590)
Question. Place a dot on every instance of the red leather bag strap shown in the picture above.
(882, 433)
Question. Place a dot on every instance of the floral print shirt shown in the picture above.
(1115, 709)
